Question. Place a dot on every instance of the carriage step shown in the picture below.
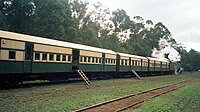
(135, 73)
(84, 77)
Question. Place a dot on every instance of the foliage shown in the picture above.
(71, 35)
(111, 42)
(2, 21)
(190, 60)
(51, 19)
(90, 37)
(17, 14)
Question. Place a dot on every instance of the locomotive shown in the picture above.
(25, 58)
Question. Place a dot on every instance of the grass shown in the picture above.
(184, 100)
(67, 97)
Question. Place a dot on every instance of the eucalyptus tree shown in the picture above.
(79, 12)
(52, 18)
(162, 31)
(194, 57)
(90, 37)
(121, 20)
(2, 22)
(17, 14)
(111, 42)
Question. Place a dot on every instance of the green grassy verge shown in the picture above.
(183, 100)
(67, 97)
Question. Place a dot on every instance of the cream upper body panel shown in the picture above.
(39, 40)
(111, 56)
(53, 49)
(90, 53)
(12, 44)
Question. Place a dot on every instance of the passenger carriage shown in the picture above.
(25, 57)
(158, 66)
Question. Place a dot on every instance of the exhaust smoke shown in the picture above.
(167, 51)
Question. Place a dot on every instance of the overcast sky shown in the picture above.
(181, 17)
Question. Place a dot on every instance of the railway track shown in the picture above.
(133, 100)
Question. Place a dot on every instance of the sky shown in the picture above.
(181, 17)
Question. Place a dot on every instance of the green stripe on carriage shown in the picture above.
(51, 67)
(11, 67)
(91, 67)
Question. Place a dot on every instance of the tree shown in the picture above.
(71, 35)
(121, 20)
(17, 14)
(111, 42)
(90, 38)
(195, 59)
(2, 21)
(186, 61)
(79, 13)
(162, 31)
(149, 24)
(138, 46)
(51, 19)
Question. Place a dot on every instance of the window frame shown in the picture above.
(51, 57)
(69, 58)
(12, 57)
(64, 59)
(44, 56)
(37, 56)
(58, 57)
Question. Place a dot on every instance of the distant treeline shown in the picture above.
(69, 20)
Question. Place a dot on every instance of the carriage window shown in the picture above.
(81, 59)
(99, 60)
(126, 63)
(136, 63)
(37, 56)
(93, 60)
(63, 57)
(51, 56)
(12, 54)
(139, 63)
(89, 59)
(58, 57)
(44, 56)
(122, 62)
(85, 59)
(69, 58)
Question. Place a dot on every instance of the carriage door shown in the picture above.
(28, 57)
(75, 59)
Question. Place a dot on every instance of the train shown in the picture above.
(27, 58)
